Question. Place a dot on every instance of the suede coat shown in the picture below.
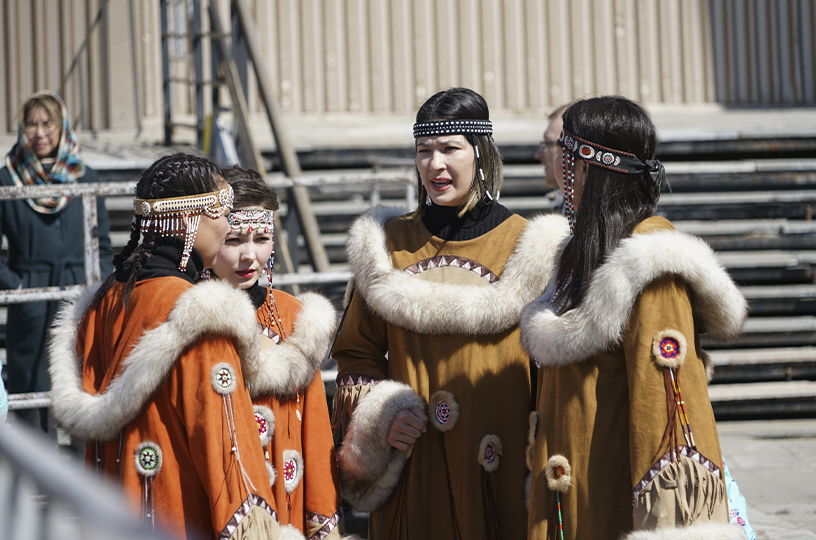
(609, 446)
(292, 412)
(43, 250)
(156, 389)
(434, 323)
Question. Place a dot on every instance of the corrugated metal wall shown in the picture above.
(383, 56)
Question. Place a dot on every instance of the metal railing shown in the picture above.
(90, 191)
(47, 495)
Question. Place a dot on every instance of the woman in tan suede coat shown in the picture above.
(624, 438)
(433, 385)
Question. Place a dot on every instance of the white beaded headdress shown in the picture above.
(180, 216)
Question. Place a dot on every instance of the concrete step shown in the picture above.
(762, 332)
(770, 364)
(763, 400)
(781, 299)
(753, 234)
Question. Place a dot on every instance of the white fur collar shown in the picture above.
(210, 307)
(290, 366)
(437, 308)
(600, 321)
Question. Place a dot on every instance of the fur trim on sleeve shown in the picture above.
(209, 307)
(291, 365)
(702, 531)
(369, 466)
(601, 319)
(439, 308)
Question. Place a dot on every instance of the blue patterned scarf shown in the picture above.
(27, 169)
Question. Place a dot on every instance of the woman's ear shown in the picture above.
(581, 166)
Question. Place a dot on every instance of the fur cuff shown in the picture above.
(210, 307)
(702, 531)
(369, 466)
(441, 308)
(291, 365)
(600, 321)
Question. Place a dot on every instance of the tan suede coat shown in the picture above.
(608, 414)
(444, 492)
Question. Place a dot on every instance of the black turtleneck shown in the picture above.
(164, 262)
(257, 294)
(443, 222)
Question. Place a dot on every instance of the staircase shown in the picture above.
(757, 214)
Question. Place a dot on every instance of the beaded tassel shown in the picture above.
(481, 171)
(685, 423)
(568, 166)
(560, 517)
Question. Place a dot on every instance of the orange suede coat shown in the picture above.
(290, 394)
(162, 403)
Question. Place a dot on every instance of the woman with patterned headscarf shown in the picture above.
(43, 236)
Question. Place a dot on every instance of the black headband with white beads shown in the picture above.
(453, 127)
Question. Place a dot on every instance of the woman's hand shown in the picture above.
(406, 428)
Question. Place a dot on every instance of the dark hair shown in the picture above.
(176, 175)
(464, 104)
(612, 203)
(250, 188)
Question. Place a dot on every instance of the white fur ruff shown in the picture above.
(369, 466)
(209, 307)
(288, 532)
(702, 531)
(290, 366)
(439, 308)
(600, 321)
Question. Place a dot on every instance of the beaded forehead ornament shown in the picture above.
(180, 216)
(248, 220)
(608, 158)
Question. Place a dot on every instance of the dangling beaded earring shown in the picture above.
(265, 279)
(428, 201)
(568, 167)
(481, 171)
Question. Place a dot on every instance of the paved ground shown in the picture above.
(774, 463)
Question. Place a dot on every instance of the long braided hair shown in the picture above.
(176, 175)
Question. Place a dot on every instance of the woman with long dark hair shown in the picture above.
(149, 369)
(433, 385)
(625, 437)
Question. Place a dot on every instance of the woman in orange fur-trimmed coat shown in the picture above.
(287, 391)
(149, 369)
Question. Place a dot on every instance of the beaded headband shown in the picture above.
(453, 127)
(609, 158)
(180, 216)
(215, 204)
(246, 221)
